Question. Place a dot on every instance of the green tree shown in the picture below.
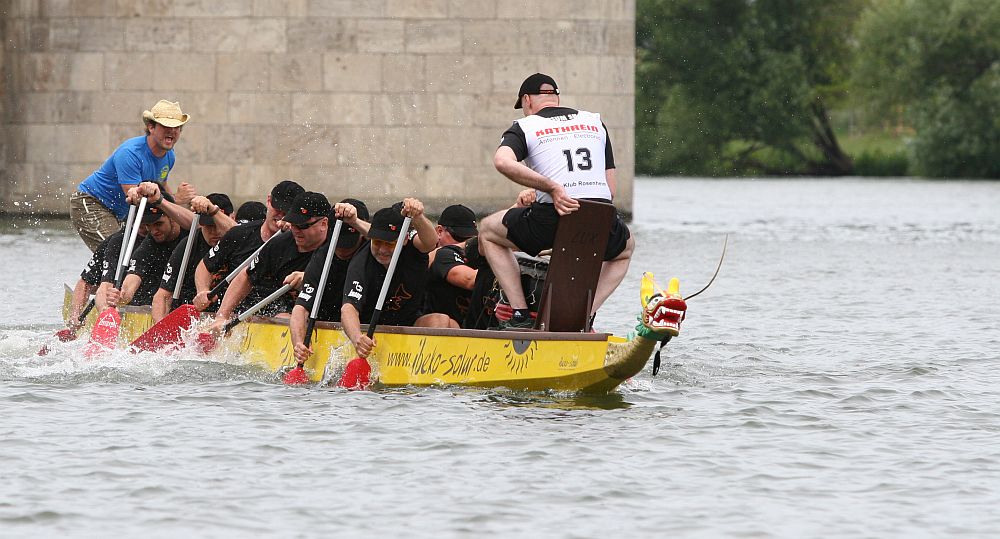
(741, 86)
(937, 61)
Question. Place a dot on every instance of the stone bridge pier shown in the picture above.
(375, 99)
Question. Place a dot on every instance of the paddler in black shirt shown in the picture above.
(404, 302)
(216, 212)
(449, 286)
(283, 260)
(150, 257)
(103, 259)
(241, 242)
(350, 243)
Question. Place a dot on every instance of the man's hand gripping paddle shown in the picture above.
(357, 374)
(105, 333)
(298, 374)
(168, 330)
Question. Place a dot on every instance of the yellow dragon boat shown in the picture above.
(406, 356)
(561, 355)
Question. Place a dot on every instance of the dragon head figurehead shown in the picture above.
(662, 310)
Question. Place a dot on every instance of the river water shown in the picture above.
(841, 378)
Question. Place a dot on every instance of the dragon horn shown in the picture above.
(647, 289)
(674, 287)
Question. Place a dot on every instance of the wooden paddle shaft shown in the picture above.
(260, 305)
(403, 230)
(192, 236)
(87, 309)
(119, 273)
(318, 299)
(128, 228)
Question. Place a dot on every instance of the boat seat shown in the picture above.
(574, 268)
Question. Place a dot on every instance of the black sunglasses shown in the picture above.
(305, 226)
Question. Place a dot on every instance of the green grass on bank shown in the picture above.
(877, 153)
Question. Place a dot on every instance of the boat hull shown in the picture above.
(519, 360)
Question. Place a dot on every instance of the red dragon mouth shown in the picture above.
(664, 314)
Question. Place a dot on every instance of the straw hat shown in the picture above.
(166, 113)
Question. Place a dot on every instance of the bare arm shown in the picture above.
(297, 327)
(203, 284)
(361, 226)
(129, 287)
(426, 239)
(151, 191)
(351, 320)
(81, 293)
(203, 205)
(238, 290)
(161, 304)
(101, 297)
(183, 195)
(507, 164)
(462, 276)
(349, 214)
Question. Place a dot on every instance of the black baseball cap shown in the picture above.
(222, 201)
(386, 223)
(284, 194)
(307, 206)
(533, 86)
(251, 211)
(152, 214)
(348, 234)
(459, 220)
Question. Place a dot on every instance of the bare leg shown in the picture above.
(435, 320)
(612, 273)
(499, 252)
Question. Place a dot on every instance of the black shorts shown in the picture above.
(533, 229)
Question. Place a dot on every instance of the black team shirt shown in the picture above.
(94, 269)
(442, 296)
(148, 261)
(404, 302)
(169, 279)
(333, 294)
(236, 245)
(276, 260)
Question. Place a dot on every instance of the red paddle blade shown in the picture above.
(206, 343)
(167, 331)
(357, 374)
(296, 376)
(105, 333)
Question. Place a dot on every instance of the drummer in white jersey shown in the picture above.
(564, 154)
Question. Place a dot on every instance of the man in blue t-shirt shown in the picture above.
(98, 207)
